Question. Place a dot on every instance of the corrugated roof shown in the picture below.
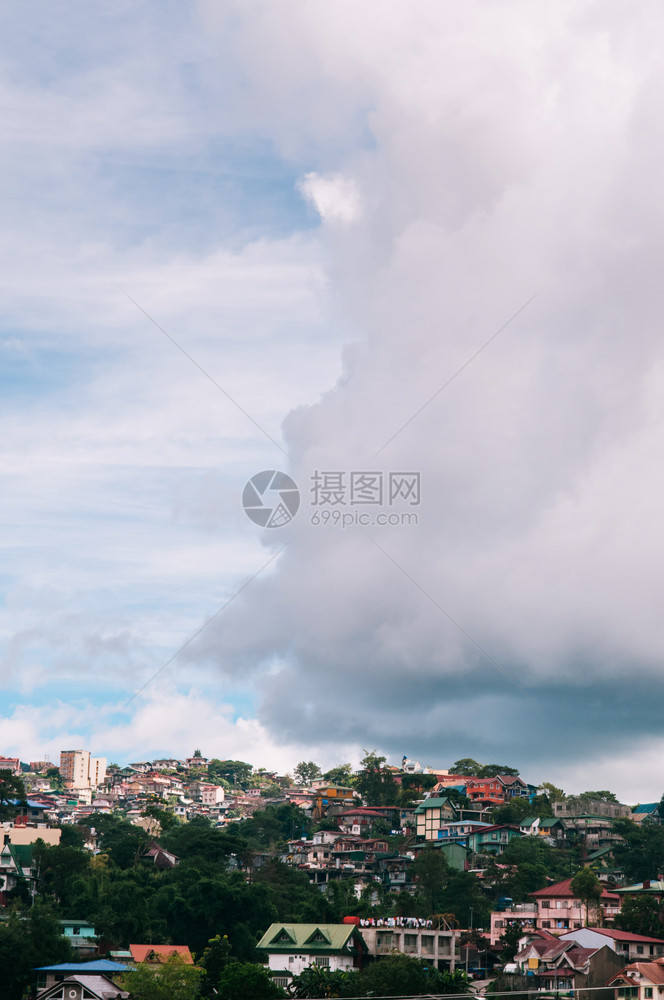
(140, 952)
(85, 968)
(651, 971)
(303, 937)
(564, 890)
(626, 936)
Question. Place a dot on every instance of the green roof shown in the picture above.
(528, 820)
(316, 938)
(432, 804)
(549, 821)
(21, 854)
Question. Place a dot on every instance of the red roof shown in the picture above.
(625, 935)
(650, 971)
(563, 890)
(141, 952)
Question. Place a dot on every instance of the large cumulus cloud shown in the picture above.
(507, 151)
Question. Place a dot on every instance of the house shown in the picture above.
(81, 936)
(565, 965)
(211, 795)
(558, 910)
(639, 981)
(431, 815)
(88, 980)
(633, 947)
(155, 954)
(486, 791)
(455, 853)
(651, 887)
(291, 948)
(16, 868)
(460, 830)
(649, 810)
(551, 828)
(514, 787)
(361, 819)
(161, 858)
(492, 839)
(329, 795)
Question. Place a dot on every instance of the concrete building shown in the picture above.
(79, 770)
(438, 946)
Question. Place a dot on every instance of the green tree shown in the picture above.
(513, 811)
(340, 775)
(492, 770)
(641, 915)
(171, 980)
(509, 941)
(55, 778)
(552, 793)
(641, 855)
(461, 895)
(401, 975)
(236, 772)
(467, 767)
(315, 982)
(11, 789)
(248, 981)
(213, 961)
(587, 887)
(306, 772)
(29, 938)
(376, 785)
(430, 871)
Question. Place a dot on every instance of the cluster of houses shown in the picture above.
(356, 843)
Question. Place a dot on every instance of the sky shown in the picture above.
(411, 257)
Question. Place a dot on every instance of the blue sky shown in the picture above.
(332, 211)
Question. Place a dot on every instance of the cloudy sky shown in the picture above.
(335, 239)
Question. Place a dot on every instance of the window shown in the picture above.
(282, 981)
(648, 992)
(639, 949)
(322, 961)
(546, 904)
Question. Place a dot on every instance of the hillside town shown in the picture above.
(471, 869)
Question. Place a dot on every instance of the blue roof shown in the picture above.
(648, 807)
(97, 965)
(29, 802)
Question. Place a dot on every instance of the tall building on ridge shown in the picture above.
(79, 770)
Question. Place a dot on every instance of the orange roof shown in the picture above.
(161, 952)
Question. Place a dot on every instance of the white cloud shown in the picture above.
(335, 198)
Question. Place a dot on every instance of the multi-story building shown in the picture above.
(438, 946)
(79, 770)
(559, 910)
(12, 764)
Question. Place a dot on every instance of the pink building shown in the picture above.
(211, 795)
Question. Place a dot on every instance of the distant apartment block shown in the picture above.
(79, 770)
(12, 764)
